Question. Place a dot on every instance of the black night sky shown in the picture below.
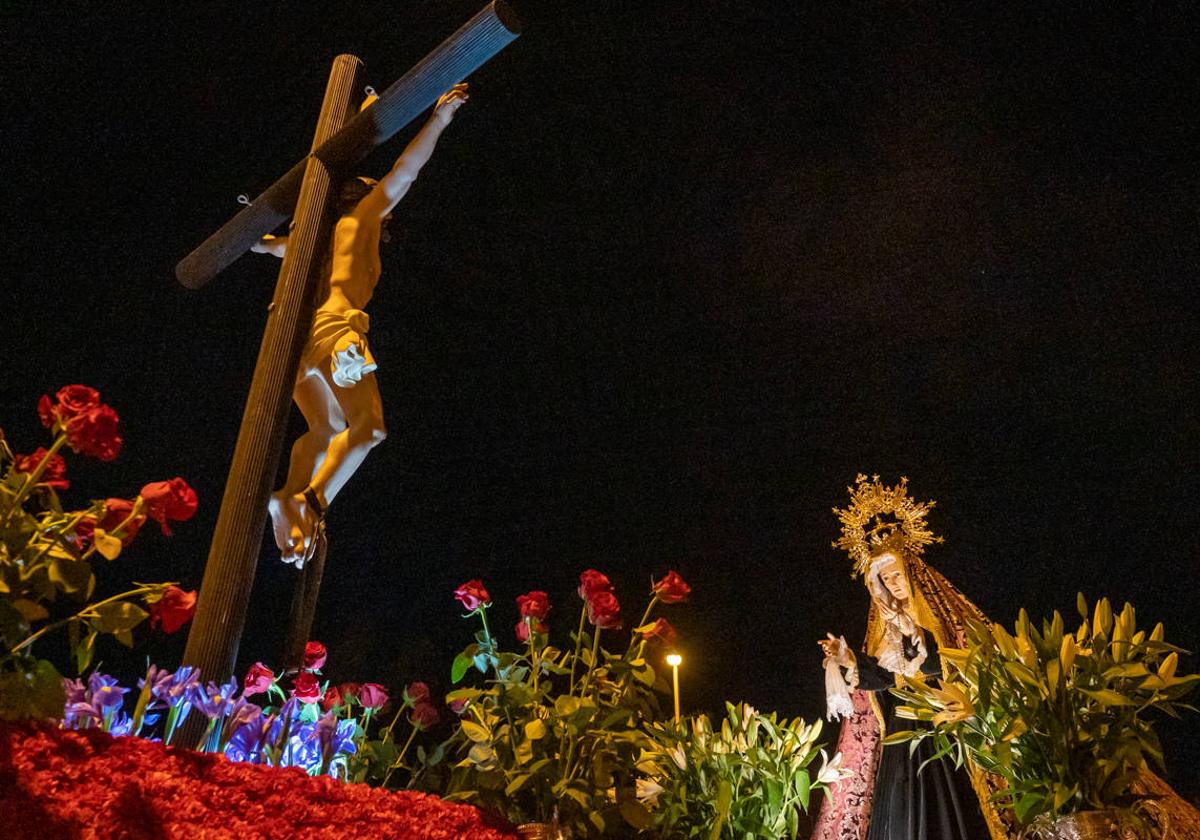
(675, 274)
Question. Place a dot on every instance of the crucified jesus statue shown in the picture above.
(335, 386)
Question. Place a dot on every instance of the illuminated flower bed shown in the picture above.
(86, 783)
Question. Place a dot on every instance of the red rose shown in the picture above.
(672, 589)
(350, 691)
(417, 692)
(69, 402)
(314, 656)
(424, 715)
(169, 501)
(472, 595)
(94, 433)
(372, 695)
(535, 604)
(258, 679)
(173, 610)
(591, 582)
(660, 629)
(334, 696)
(603, 611)
(523, 628)
(306, 689)
(55, 474)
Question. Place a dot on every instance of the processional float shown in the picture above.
(344, 136)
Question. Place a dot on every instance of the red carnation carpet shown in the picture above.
(86, 784)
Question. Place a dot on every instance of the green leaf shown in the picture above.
(803, 788)
(458, 670)
(517, 783)
(117, 616)
(71, 576)
(1108, 697)
(84, 651)
(566, 705)
(475, 732)
(636, 815)
(34, 691)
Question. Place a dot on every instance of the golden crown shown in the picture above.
(879, 516)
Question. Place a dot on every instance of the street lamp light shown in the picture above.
(674, 660)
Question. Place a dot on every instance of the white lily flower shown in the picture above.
(832, 770)
(648, 792)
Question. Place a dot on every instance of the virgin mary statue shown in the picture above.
(914, 613)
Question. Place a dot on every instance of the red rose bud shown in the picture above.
(257, 680)
(459, 705)
(169, 501)
(417, 693)
(592, 582)
(173, 610)
(55, 473)
(660, 629)
(314, 656)
(424, 715)
(46, 411)
(535, 604)
(372, 695)
(672, 589)
(116, 512)
(350, 691)
(306, 689)
(523, 628)
(333, 697)
(603, 611)
(94, 433)
(472, 595)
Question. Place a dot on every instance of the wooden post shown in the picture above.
(304, 606)
(457, 57)
(216, 630)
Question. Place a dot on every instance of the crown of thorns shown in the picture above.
(880, 517)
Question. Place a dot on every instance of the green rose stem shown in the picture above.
(400, 757)
(487, 636)
(642, 623)
(533, 653)
(88, 612)
(578, 647)
(587, 678)
(31, 480)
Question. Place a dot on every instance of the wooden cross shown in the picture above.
(342, 139)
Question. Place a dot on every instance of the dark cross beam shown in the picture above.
(478, 40)
(216, 630)
(341, 141)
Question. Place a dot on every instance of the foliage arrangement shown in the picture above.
(750, 777)
(46, 552)
(552, 735)
(318, 727)
(1062, 717)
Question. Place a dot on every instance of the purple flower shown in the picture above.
(335, 736)
(173, 689)
(75, 690)
(214, 700)
(251, 738)
(81, 715)
(104, 692)
(121, 724)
